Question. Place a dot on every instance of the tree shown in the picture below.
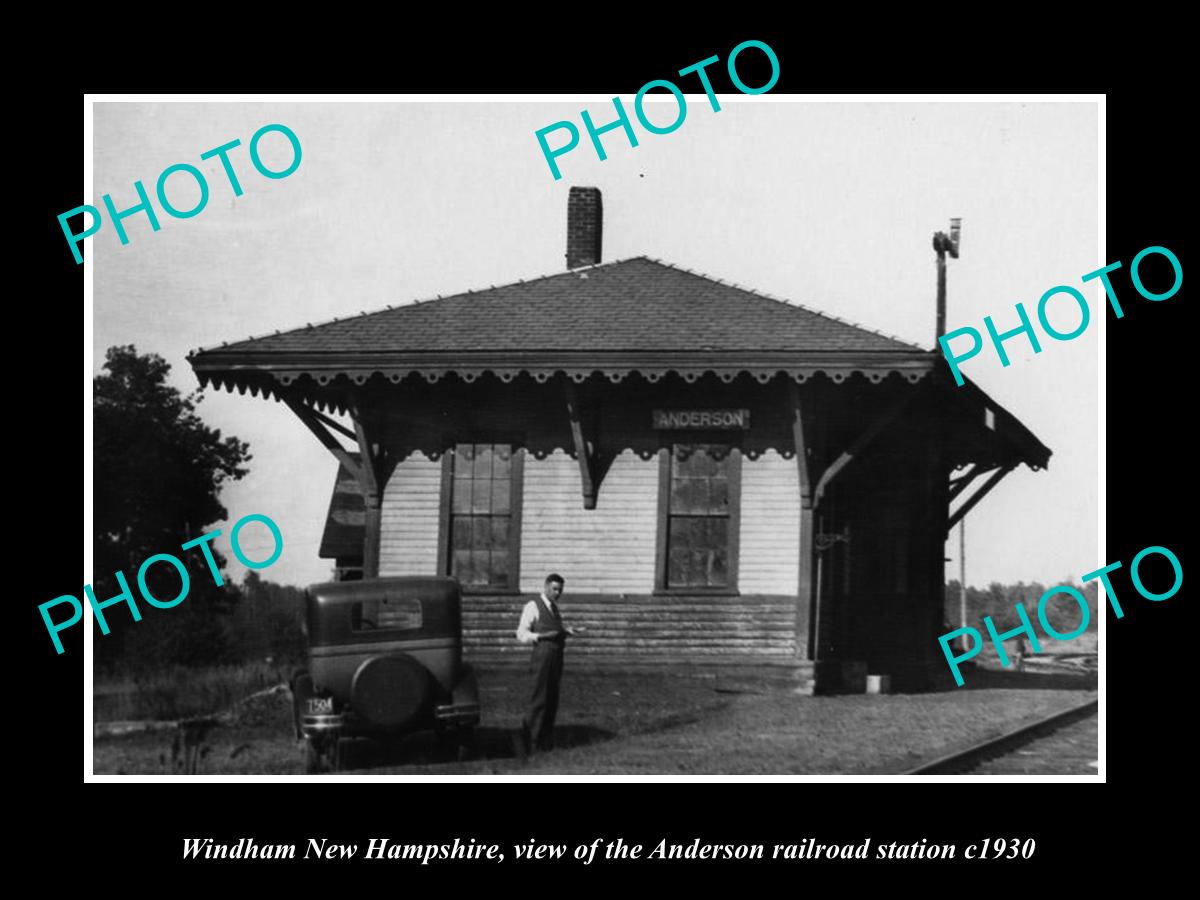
(999, 601)
(158, 471)
(268, 621)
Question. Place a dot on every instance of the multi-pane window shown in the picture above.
(701, 516)
(482, 538)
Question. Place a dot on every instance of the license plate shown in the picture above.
(320, 706)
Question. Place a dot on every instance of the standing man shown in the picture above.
(541, 625)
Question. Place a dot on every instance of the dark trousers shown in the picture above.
(545, 668)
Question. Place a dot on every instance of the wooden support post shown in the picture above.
(959, 484)
(372, 487)
(804, 588)
(367, 470)
(336, 426)
(822, 627)
(863, 441)
(370, 473)
(824, 648)
(805, 612)
(373, 529)
(801, 445)
(822, 611)
(310, 418)
(977, 496)
(582, 450)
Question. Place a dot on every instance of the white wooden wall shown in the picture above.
(770, 529)
(408, 540)
(610, 549)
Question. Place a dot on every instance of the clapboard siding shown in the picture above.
(608, 549)
(408, 542)
(769, 550)
(703, 630)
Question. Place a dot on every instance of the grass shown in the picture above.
(179, 692)
(657, 723)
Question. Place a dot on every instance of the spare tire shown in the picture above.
(391, 691)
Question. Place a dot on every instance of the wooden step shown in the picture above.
(712, 621)
(580, 645)
(621, 621)
(636, 629)
(653, 631)
(669, 655)
(655, 606)
(471, 602)
(732, 672)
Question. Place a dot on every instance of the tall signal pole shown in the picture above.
(944, 245)
(962, 576)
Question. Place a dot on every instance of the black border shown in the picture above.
(133, 831)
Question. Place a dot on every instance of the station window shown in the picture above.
(483, 515)
(699, 487)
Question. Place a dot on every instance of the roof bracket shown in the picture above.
(804, 468)
(959, 484)
(961, 512)
(881, 423)
(336, 426)
(585, 450)
(316, 424)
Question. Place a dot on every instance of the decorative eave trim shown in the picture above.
(242, 370)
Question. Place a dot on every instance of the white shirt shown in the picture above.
(529, 617)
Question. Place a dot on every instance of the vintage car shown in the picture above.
(385, 661)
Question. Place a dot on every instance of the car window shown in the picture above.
(386, 614)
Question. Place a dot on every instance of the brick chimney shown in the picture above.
(584, 226)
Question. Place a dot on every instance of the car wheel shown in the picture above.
(445, 745)
(396, 751)
(314, 761)
(468, 744)
(322, 755)
(333, 753)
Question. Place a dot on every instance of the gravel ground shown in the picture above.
(645, 724)
(784, 734)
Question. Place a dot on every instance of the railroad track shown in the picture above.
(1066, 737)
(1064, 662)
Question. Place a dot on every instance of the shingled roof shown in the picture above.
(631, 315)
(633, 304)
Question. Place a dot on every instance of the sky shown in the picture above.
(829, 204)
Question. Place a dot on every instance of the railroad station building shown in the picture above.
(723, 478)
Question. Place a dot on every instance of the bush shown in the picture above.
(180, 692)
